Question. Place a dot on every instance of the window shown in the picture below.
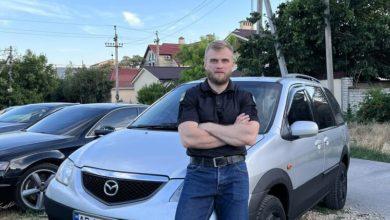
(25, 114)
(166, 110)
(167, 57)
(300, 108)
(322, 109)
(68, 121)
(335, 106)
(118, 118)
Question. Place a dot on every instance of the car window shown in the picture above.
(118, 119)
(165, 111)
(335, 106)
(67, 121)
(24, 114)
(300, 108)
(322, 110)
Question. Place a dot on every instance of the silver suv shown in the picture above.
(301, 157)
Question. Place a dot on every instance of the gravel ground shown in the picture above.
(346, 213)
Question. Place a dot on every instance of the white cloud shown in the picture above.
(132, 19)
(35, 7)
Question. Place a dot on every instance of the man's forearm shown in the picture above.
(236, 134)
(194, 137)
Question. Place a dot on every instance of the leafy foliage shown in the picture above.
(133, 62)
(87, 85)
(360, 39)
(375, 107)
(192, 55)
(150, 93)
(33, 80)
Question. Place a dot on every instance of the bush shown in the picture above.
(150, 93)
(375, 107)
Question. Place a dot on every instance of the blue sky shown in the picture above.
(76, 30)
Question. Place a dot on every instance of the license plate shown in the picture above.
(84, 216)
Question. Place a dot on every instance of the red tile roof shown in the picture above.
(125, 75)
(165, 48)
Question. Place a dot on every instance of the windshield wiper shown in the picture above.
(163, 126)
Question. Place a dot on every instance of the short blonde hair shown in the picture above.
(218, 45)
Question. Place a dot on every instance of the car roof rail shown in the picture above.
(301, 76)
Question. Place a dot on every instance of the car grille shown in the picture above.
(128, 190)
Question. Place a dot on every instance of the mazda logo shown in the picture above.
(111, 187)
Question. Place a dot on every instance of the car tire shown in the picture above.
(31, 186)
(270, 208)
(338, 191)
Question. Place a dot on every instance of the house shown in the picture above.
(153, 74)
(126, 88)
(167, 52)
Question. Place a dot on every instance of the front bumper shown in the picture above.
(61, 201)
(7, 189)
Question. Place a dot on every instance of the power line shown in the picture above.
(192, 11)
(71, 23)
(54, 32)
(197, 20)
(51, 35)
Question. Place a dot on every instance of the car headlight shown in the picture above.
(176, 195)
(65, 171)
(3, 165)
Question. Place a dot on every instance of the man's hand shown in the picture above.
(242, 132)
(242, 119)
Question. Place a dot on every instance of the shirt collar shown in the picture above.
(206, 87)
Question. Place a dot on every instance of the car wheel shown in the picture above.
(338, 192)
(32, 185)
(271, 209)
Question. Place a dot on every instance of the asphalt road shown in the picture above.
(369, 187)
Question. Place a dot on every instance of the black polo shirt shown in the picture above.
(202, 104)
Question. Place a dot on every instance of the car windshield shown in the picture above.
(24, 114)
(67, 121)
(163, 114)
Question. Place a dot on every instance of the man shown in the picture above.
(216, 120)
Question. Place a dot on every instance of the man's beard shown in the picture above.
(218, 81)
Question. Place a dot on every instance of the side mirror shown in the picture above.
(104, 130)
(304, 129)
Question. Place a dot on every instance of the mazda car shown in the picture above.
(301, 157)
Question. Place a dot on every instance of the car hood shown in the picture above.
(8, 126)
(24, 141)
(136, 151)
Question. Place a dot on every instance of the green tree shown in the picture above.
(150, 93)
(192, 55)
(87, 85)
(133, 62)
(360, 38)
(33, 80)
(375, 107)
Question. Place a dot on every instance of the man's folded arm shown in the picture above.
(236, 134)
(194, 137)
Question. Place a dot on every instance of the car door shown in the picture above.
(328, 132)
(307, 151)
(117, 119)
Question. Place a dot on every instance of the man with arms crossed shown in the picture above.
(216, 120)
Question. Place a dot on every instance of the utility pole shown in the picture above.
(279, 53)
(259, 26)
(328, 46)
(157, 41)
(9, 64)
(116, 45)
